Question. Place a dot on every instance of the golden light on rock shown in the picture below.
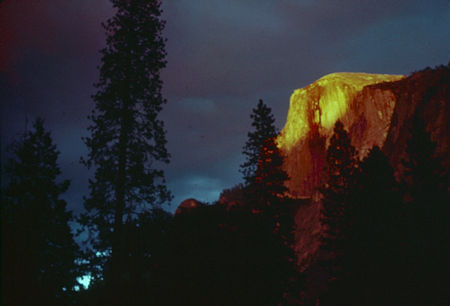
(324, 102)
(314, 110)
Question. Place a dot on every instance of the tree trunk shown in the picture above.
(117, 254)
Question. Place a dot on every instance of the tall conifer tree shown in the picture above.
(269, 176)
(265, 195)
(38, 250)
(341, 163)
(127, 145)
(264, 128)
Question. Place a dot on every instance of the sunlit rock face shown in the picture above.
(187, 205)
(364, 110)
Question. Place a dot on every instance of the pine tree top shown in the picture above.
(263, 123)
(34, 161)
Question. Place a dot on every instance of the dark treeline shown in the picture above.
(386, 242)
(235, 252)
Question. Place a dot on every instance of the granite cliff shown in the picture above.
(365, 112)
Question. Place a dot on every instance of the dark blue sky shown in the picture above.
(223, 55)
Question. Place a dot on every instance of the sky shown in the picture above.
(223, 55)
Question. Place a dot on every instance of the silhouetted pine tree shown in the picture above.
(264, 128)
(342, 164)
(372, 259)
(271, 211)
(427, 205)
(38, 250)
(263, 173)
(127, 141)
(269, 176)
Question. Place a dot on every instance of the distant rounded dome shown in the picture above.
(187, 205)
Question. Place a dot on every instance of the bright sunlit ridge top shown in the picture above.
(323, 102)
